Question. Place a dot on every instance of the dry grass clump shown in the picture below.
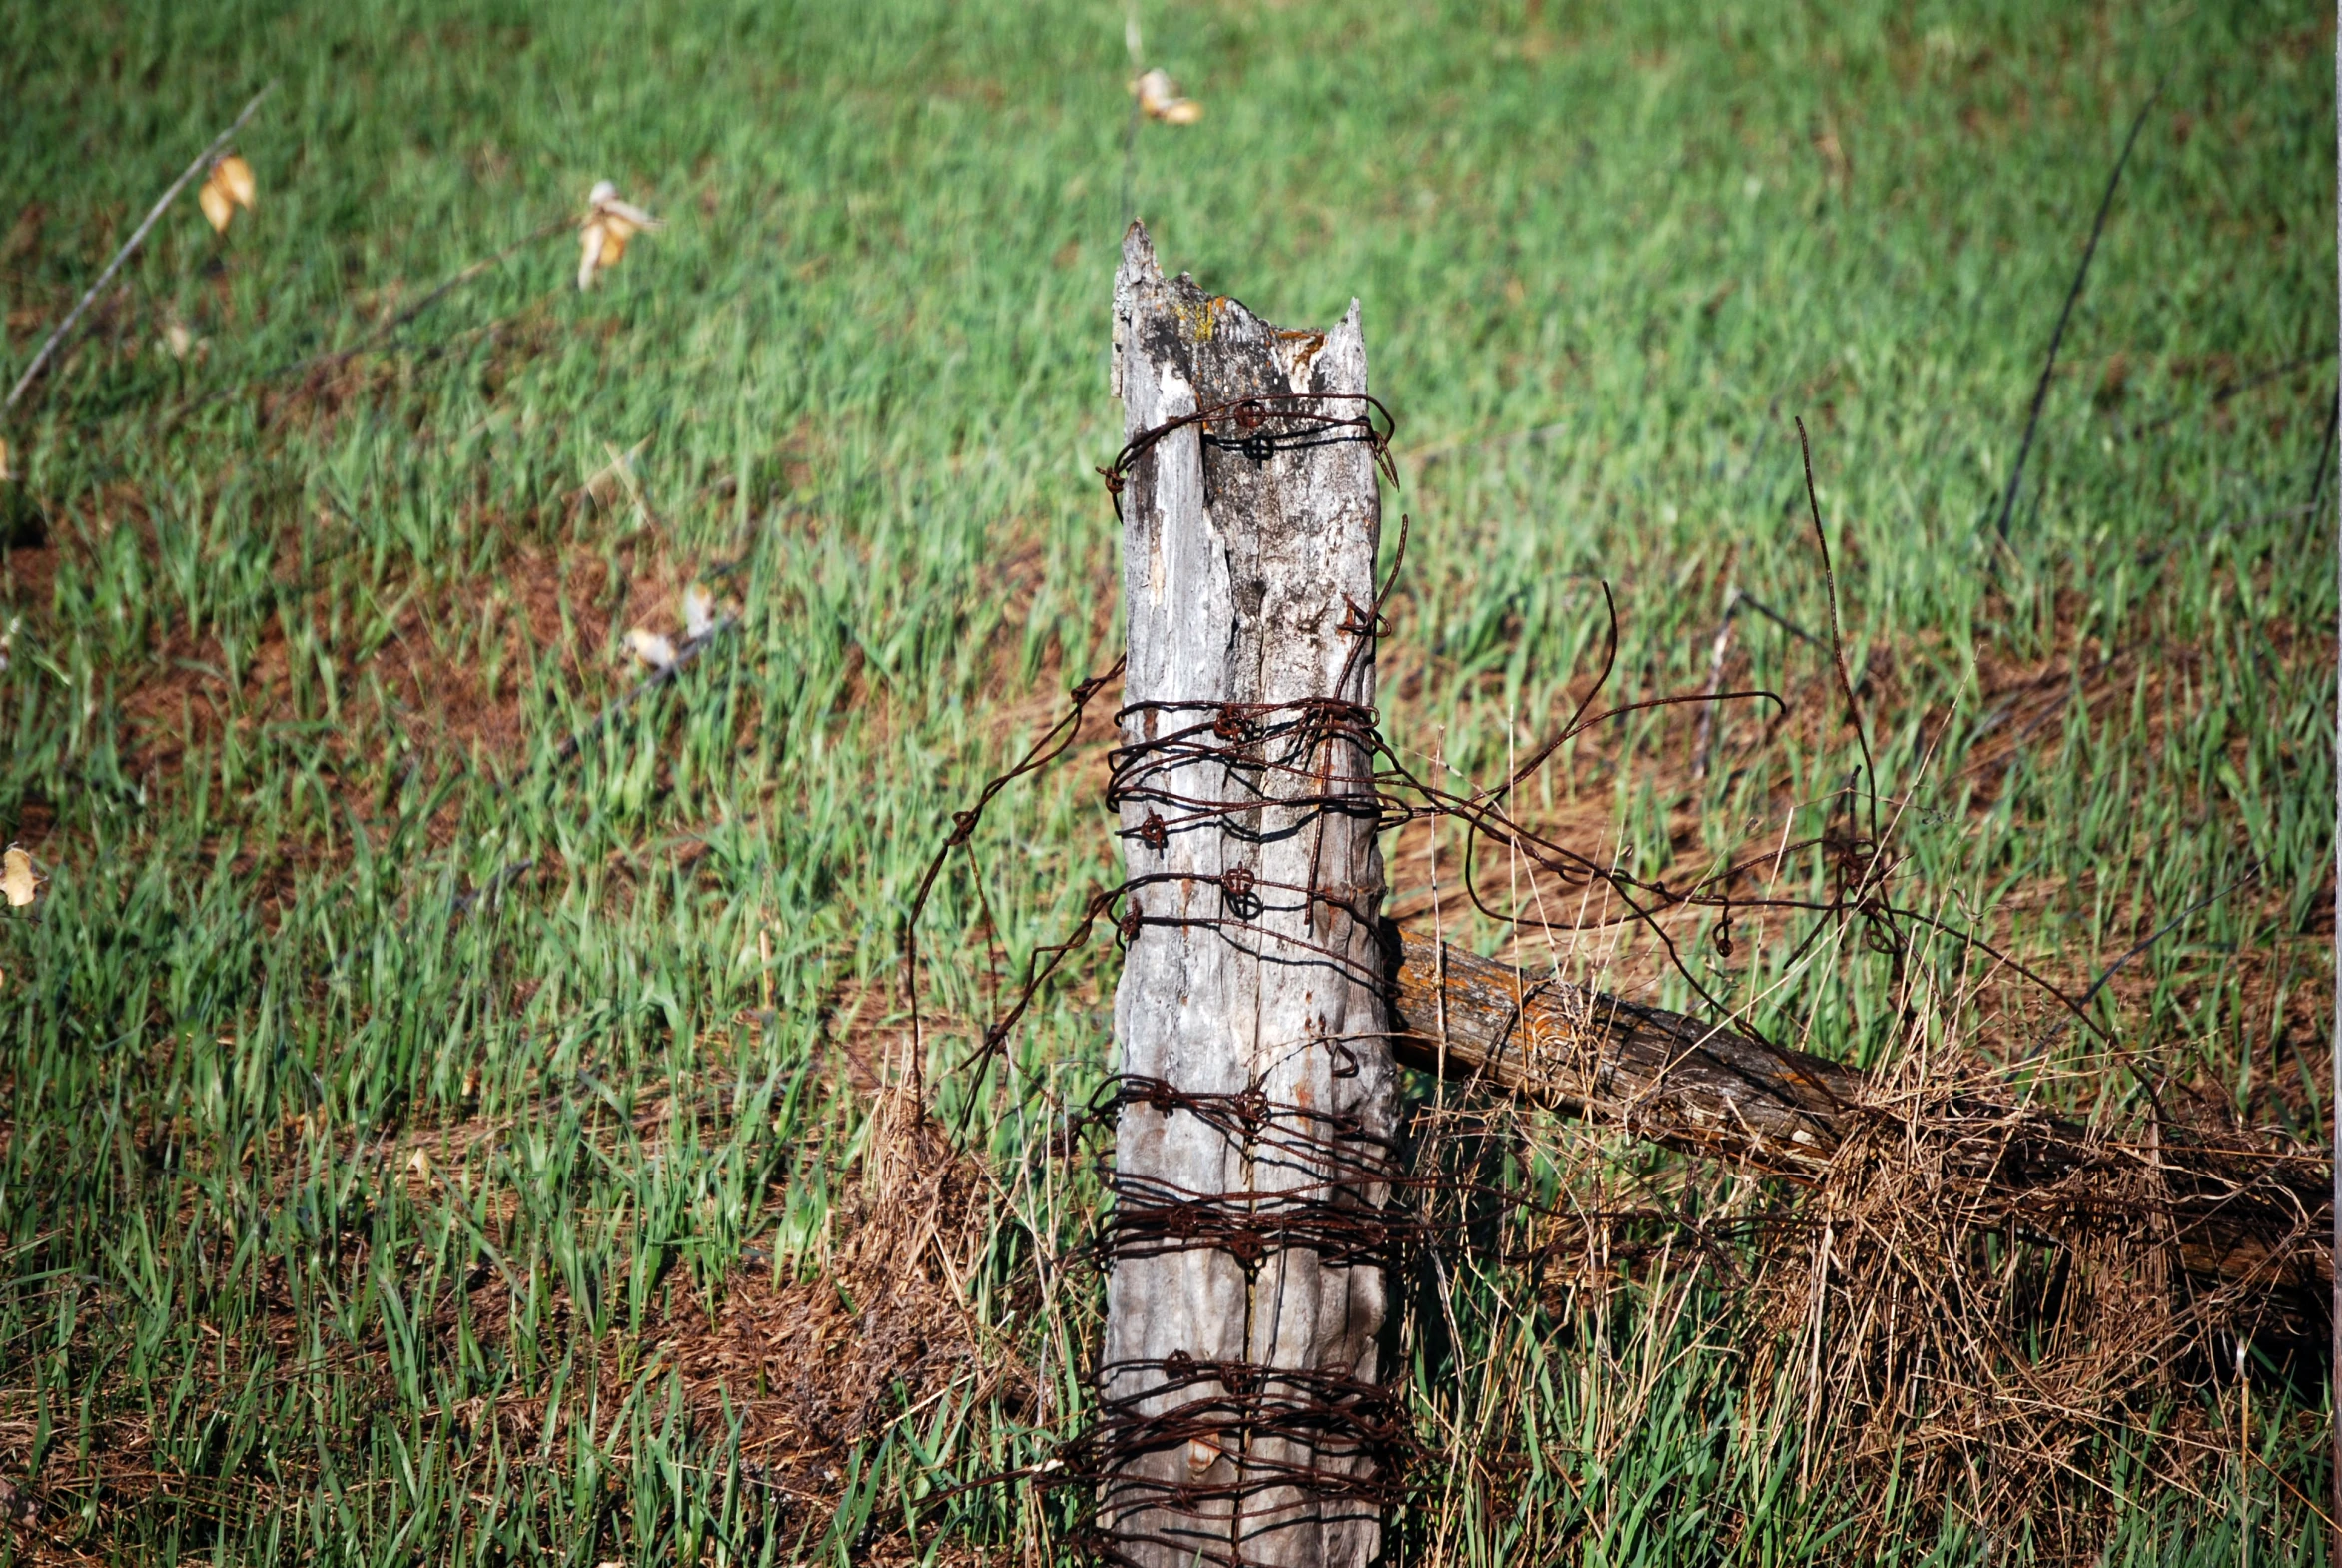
(881, 1330)
(1974, 1317)
(2005, 1348)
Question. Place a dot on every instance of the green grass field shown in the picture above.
(422, 1143)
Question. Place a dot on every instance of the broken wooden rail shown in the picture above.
(2239, 1214)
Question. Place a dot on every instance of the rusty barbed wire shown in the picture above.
(1341, 1195)
(1347, 1197)
(1266, 424)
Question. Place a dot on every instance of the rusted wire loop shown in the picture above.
(1275, 755)
(1241, 1426)
(1246, 723)
(1246, 1112)
(1238, 888)
(1275, 1445)
(1242, 1395)
(1364, 623)
(1247, 1225)
(1251, 1108)
(1267, 424)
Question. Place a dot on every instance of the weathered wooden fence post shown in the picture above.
(1241, 1415)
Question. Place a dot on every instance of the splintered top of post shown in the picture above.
(1248, 490)
(1219, 348)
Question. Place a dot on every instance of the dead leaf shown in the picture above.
(235, 177)
(418, 1166)
(609, 224)
(651, 648)
(1159, 99)
(17, 877)
(229, 186)
(217, 205)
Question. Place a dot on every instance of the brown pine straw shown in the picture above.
(1994, 1348)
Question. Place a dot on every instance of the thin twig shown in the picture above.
(1854, 709)
(2169, 926)
(1777, 619)
(2080, 275)
(2251, 872)
(138, 234)
(2317, 484)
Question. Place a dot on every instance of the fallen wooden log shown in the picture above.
(2237, 1215)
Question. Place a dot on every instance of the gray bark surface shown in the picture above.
(1238, 575)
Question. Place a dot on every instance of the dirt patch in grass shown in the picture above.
(810, 1360)
(818, 1360)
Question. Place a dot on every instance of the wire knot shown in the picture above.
(1251, 1108)
(1362, 623)
(1236, 889)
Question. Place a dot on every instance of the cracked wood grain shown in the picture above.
(1238, 574)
